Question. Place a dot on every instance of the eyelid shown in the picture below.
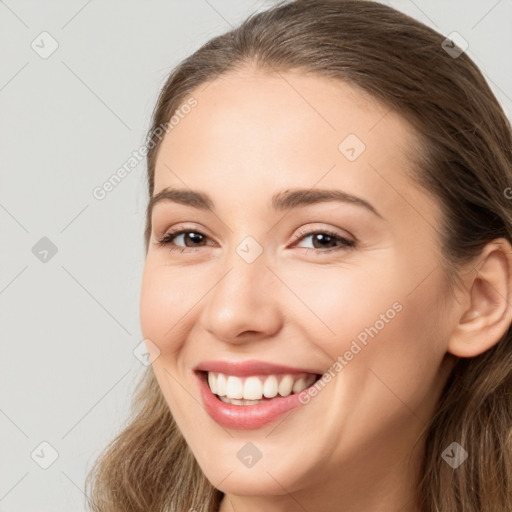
(179, 228)
(304, 231)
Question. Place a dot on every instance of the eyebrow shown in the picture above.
(285, 200)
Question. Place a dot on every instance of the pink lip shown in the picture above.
(245, 368)
(244, 417)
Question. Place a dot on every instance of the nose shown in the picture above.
(243, 305)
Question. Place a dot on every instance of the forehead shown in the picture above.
(256, 131)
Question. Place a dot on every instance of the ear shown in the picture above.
(485, 311)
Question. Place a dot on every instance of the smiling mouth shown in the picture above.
(256, 389)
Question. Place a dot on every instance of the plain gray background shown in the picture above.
(69, 320)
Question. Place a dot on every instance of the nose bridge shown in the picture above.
(239, 300)
(246, 267)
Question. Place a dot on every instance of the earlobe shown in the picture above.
(487, 313)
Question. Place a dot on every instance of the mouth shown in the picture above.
(250, 401)
(256, 389)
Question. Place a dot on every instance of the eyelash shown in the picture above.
(345, 244)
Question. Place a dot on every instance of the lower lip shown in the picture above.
(245, 417)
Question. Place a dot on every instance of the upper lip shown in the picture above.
(244, 368)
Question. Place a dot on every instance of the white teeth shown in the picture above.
(234, 388)
(270, 387)
(251, 390)
(299, 385)
(221, 384)
(234, 401)
(286, 385)
(212, 381)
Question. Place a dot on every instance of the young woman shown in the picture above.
(326, 296)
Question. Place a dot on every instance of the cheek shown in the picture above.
(164, 304)
(336, 305)
(164, 300)
(386, 348)
(372, 316)
(152, 308)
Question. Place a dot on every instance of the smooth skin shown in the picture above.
(306, 298)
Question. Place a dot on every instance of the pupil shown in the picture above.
(194, 237)
(323, 239)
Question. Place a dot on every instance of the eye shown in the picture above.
(183, 240)
(326, 240)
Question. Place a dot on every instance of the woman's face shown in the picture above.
(305, 250)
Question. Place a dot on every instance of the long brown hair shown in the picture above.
(465, 160)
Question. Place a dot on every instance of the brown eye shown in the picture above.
(322, 240)
(190, 237)
(184, 239)
(326, 240)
